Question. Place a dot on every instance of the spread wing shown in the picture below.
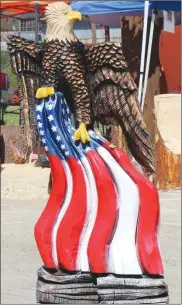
(115, 99)
(26, 60)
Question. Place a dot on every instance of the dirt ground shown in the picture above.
(24, 195)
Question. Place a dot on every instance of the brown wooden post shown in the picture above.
(94, 37)
(107, 33)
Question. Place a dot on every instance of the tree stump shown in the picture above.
(132, 31)
(168, 141)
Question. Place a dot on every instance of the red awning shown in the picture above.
(23, 9)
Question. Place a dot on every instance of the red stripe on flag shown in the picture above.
(147, 243)
(44, 226)
(106, 215)
(71, 226)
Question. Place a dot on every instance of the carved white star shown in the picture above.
(43, 141)
(42, 132)
(54, 128)
(40, 125)
(63, 146)
(63, 111)
(46, 148)
(67, 153)
(38, 117)
(58, 138)
(50, 107)
(68, 112)
(50, 118)
(39, 108)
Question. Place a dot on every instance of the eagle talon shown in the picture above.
(45, 92)
(82, 134)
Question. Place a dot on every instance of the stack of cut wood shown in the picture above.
(59, 288)
(168, 140)
(130, 290)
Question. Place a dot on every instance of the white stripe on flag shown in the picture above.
(122, 251)
(62, 211)
(92, 207)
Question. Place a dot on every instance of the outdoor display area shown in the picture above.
(102, 207)
(11, 113)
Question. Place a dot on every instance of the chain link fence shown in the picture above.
(85, 32)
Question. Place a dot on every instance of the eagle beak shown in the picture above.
(74, 15)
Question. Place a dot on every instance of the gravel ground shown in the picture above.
(24, 195)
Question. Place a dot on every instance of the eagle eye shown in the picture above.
(65, 13)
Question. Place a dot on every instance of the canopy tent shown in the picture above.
(110, 12)
(99, 12)
(102, 12)
(24, 10)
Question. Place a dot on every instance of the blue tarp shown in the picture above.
(166, 5)
(110, 12)
(104, 7)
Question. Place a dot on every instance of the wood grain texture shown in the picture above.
(63, 278)
(48, 298)
(119, 140)
(62, 288)
(141, 301)
(132, 31)
(129, 282)
(168, 166)
(142, 290)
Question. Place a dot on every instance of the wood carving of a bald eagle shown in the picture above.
(94, 80)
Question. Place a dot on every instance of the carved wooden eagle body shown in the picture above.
(94, 80)
(64, 65)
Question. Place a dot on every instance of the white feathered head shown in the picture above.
(60, 19)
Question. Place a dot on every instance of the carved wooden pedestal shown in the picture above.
(132, 290)
(79, 288)
(59, 288)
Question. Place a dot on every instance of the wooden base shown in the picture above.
(132, 290)
(61, 288)
(79, 288)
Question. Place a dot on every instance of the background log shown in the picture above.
(168, 141)
(11, 145)
(132, 31)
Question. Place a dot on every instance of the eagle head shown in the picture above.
(60, 18)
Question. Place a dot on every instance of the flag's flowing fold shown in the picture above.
(102, 215)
